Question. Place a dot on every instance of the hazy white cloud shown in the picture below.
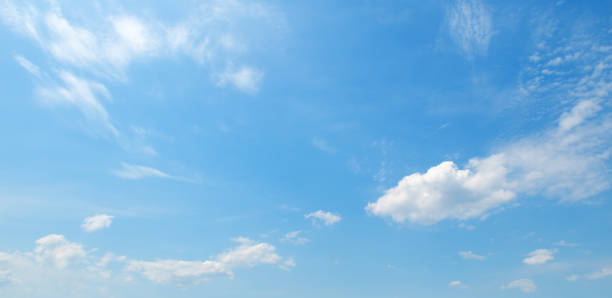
(525, 285)
(129, 171)
(27, 65)
(469, 255)
(470, 26)
(57, 250)
(573, 277)
(294, 238)
(320, 216)
(82, 94)
(246, 78)
(540, 256)
(6, 278)
(322, 145)
(566, 244)
(605, 272)
(97, 222)
(456, 284)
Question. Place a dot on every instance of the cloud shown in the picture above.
(469, 255)
(6, 278)
(247, 79)
(27, 65)
(540, 256)
(56, 249)
(322, 145)
(566, 244)
(525, 285)
(456, 284)
(470, 26)
(327, 218)
(97, 222)
(129, 171)
(247, 255)
(605, 272)
(572, 277)
(559, 163)
(294, 238)
(82, 94)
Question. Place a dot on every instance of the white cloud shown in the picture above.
(525, 285)
(327, 218)
(27, 65)
(97, 222)
(572, 277)
(470, 26)
(247, 255)
(566, 244)
(540, 256)
(129, 171)
(566, 164)
(82, 94)
(469, 255)
(6, 278)
(56, 249)
(294, 238)
(246, 78)
(456, 284)
(323, 145)
(605, 272)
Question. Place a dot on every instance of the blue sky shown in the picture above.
(305, 149)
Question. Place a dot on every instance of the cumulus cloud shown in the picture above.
(559, 163)
(525, 285)
(470, 26)
(97, 222)
(57, 250)
(469, 255)
(540, 256)
(320, 216)
(294, 238)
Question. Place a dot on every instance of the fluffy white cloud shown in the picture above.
(525, 285)
(470, 26)
(320, 216)
(57, 250)
(129, 171)
(469, 255)
(97, 222)
(540, 256)
(294, 238)
(605, 272)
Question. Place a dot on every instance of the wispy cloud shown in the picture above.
(470, 26)
(469, 255)
(129, 171)
(27, 65)
(322, 145)
(295, 238)
(605, 272)
(525, 285)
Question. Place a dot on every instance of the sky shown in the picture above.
(361, 148)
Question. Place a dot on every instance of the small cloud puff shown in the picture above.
(97, 222)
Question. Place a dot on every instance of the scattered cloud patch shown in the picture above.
(605, 272)
(470, 26)
(540, 256)
(27, 65)
(525, 285)
(97, 222)
(247, 79)
(324, 217)
(469, 255)
(573, 277)
(566, 244)
(294, 238)
(322, 145)
(57, 250)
